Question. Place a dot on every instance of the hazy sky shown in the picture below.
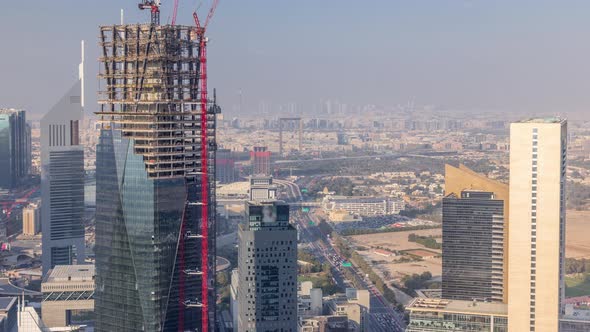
(524, 55)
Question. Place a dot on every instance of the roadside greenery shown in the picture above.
(427, 241)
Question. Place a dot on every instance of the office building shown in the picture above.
(15, 148)
(309, 300)
(260, 160)
(267, 269)
(234, 286)
(67, 289)
(363, 206)
(225, 166)
(436, 315)
(473, 250)
(262, 188)
(31, 220)
(538, 149)
(355, 304)
(62, 180)
(155, 182)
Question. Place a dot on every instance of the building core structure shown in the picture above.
(155, 213)
(538, 154)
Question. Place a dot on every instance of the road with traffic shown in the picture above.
(383, 317)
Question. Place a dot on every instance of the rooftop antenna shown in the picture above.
(81, 74)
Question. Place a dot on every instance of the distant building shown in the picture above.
(225, 166)
(260, 160)
(31, 220)
(364, 206)
(15, 148)
(262, 188)
(267, 269)
(435, 315)
(62, 181)
(538, 164)
(67, 288)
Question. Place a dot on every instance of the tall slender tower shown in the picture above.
(155, 209)
(62, 179)
(538, 150)
(15, 148)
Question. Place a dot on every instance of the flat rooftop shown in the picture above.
(551, 119)
(455, 306)
(6, 303)
(77, 273)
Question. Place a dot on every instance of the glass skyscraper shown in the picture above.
(62, 181)
(472, 257)
(15, 148)
(155, 184)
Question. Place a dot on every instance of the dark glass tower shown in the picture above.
(15, 148)
(473, 255)
(155, 176)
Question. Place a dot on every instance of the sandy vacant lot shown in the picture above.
(577, 236)
(398, 241)
(394, 240)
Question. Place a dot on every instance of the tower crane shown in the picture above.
(154, 7)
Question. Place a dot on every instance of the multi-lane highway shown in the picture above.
(382, 316)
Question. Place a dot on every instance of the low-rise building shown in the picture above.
(363, 206)
(67, 288)
(576, 317)
(324, 324)
(434, 315)
(355, 305)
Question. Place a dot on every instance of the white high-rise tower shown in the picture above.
(536, 238)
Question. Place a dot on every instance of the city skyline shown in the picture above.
(474, 60)
(380, 166)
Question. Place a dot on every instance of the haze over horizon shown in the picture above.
(529, 56)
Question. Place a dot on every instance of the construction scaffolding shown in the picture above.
(153, 89)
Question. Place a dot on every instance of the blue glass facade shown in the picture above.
(15, 148)
(138, 222)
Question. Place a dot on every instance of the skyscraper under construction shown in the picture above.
(155, 219)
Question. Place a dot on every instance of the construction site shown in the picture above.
(157, 147)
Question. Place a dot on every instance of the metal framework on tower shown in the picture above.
(155, 93)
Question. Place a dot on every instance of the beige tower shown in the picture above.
(537, 224)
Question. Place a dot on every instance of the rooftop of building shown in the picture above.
(455, 306)
(6, 303)
(76, 273)
(551, 119)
